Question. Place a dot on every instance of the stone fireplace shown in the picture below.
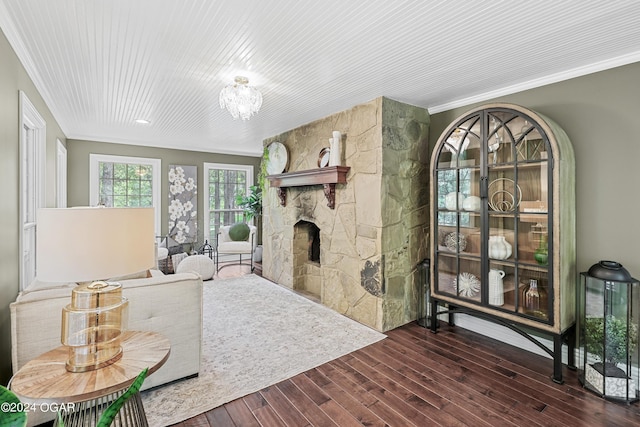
(359, 257)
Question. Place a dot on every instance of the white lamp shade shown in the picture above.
(93, 243)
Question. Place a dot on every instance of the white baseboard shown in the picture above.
(503, 334)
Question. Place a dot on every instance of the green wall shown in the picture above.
(78, 171)
(600, 113)
(13, 79)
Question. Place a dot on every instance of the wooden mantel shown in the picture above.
(328, 177)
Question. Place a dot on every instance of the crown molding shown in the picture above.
(11, 33)
(535, 83)
(169, 145)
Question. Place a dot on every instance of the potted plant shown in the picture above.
(12, 413)
(612, 339)
(251, 203)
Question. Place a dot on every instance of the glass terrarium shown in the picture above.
(608, 323)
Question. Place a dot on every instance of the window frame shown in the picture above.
(32, 182)
(61, 175)
(248, 169)
(156, 164)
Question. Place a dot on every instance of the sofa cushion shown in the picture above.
(38, 285)
(38, 290)
(63, 291)
(139, 275)
(239, 232)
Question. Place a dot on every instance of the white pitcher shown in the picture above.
(496, 287)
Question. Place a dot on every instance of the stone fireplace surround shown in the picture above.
(372, 241)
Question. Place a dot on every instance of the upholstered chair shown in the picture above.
(226, 245)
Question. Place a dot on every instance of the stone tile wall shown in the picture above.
(373, 240)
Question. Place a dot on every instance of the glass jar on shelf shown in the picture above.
(535, 300)
(541, 254)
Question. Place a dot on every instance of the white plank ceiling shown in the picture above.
(101, 64)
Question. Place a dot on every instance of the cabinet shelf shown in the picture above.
(524, 216)
(328, 177)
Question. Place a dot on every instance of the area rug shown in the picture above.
(255, 334)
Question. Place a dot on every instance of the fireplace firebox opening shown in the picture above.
(314, 243)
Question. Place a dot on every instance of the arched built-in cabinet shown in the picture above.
(503, 223)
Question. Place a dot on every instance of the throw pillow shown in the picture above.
(239, 232)
(176, 250)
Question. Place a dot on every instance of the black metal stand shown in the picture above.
(566, 337)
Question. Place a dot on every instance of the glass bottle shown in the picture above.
(541, 255)
(535, 300)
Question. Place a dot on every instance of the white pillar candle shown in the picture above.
(336, 149)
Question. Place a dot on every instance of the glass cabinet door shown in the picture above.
(458, 211)
(492, 184)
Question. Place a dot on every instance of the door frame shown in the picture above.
(33, 141)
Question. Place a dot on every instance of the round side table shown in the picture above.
(83, 396)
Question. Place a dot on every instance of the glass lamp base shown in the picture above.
(81, 360)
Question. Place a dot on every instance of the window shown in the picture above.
(223, 183)
(117, 181)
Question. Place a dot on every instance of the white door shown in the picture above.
(61, 175)
(32, 185)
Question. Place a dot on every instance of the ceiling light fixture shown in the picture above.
(240, 99)
(143, 121)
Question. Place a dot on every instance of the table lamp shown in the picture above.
(89, 245)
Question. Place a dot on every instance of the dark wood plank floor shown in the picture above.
(416, 378)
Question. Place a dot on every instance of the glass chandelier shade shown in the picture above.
(240, 99)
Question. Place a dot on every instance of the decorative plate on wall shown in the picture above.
(323, 157)
(278, 158)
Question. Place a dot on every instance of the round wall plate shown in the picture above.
(278, 158)
(323, 157)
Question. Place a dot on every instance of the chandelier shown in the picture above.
(240, 99)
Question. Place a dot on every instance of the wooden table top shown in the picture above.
(46, 379)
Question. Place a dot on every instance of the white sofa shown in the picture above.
(168, 304)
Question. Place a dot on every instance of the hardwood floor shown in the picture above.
(417, 378)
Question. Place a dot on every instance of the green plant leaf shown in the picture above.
(110, 413)
(263, 168)
(9, 401)
(251, 203)
(610, 342)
